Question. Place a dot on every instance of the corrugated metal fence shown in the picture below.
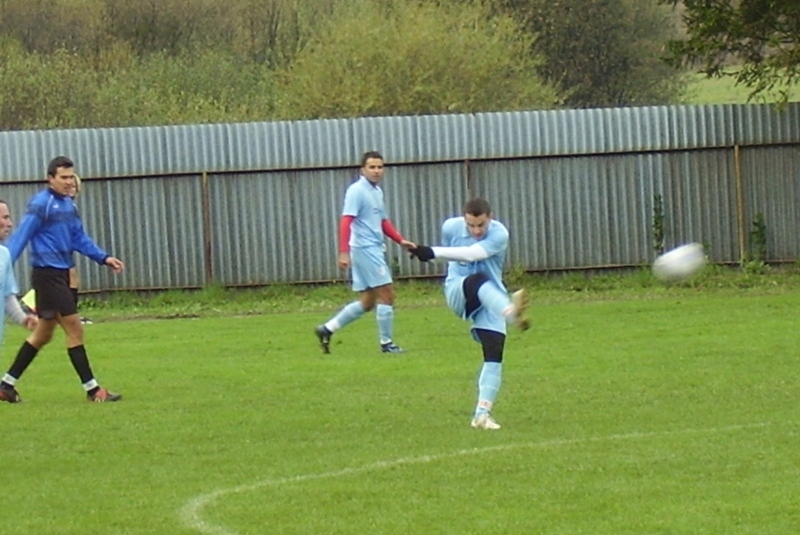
(258, 203)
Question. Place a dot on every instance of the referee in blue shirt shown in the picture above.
(52, 227)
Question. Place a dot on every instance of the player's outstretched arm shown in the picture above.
(471, 253)
(391, 232)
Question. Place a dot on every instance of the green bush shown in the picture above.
(405, 58)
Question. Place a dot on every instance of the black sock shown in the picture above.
(25, 356)
(77, 355)
(74, 295)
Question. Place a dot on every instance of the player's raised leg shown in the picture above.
(513, 309)
(479, 291)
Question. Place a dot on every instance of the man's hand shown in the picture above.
(423, 253)
(30, 322)
(115, 264)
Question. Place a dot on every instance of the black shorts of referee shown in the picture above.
(53, 295)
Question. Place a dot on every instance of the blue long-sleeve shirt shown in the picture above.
(52, 226)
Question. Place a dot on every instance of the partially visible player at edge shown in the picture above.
(362, 230)
(54, 230)
(475, 245)
(8, 282)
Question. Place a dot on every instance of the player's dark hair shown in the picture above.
(370, 154)
(477, 207)
(58, 162)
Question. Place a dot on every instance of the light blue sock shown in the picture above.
(348, 314)
(493, 298)
(385, 315)
(488, 386)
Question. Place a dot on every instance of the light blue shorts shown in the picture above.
(368, 268)
(482, 318)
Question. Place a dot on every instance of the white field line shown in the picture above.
(191, 513)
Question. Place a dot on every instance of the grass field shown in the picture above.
(645, 411)
(704, 90)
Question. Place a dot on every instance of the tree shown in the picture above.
(409, 58)
(602, 52)
(50, 25)
(270, 32)
(755, 41)
(42, 91)
(66, 90)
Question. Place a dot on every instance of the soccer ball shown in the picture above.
(680, 263)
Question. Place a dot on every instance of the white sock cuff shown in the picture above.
(9, 379)
(90, 384)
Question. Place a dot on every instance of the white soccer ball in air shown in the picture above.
(680, 263)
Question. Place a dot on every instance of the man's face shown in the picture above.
(5, 222)
(477, 224)
(63, 182)
(373, 170)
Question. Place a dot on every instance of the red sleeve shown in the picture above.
(390, 231)
(344, 233)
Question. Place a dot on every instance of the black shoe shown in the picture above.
(390, 347)
(103, 396)
(86, 321)
(9, 394)
(324, 336)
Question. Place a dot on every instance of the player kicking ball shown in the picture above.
(475, 246)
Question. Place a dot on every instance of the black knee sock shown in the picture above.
(74, 295)
(77, 355)
(25, 356)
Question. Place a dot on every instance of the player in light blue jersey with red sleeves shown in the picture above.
(363, 228)
(475, 245)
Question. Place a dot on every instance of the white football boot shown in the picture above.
(485, 421)
(520, 301)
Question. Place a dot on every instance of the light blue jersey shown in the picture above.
(368, 267)
(8, 283)
(364, 201)
(495, 243)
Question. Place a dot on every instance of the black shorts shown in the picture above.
(53, 295)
